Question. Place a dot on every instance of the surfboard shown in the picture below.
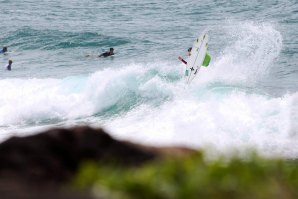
(198, 53)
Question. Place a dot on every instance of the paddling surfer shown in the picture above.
(4, 50)
(108, 53)
(105, 54)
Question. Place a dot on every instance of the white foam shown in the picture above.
(236, 120)
(36, 100)
(249, 53)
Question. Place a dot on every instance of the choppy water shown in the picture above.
(247, 96)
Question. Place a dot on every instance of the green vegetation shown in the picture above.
(194, 177)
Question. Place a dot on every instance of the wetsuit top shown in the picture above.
(9, 67)
(106, 54)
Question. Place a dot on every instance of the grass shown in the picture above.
(194, 177)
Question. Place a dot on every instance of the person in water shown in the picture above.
(4, 50)
(8, 67)
(181, 59)
(108, 53)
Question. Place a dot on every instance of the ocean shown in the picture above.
(246, 98)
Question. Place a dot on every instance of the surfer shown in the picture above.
(108, 53)
(8, 67)
(189, 53)
(206, 59)
(4, 50)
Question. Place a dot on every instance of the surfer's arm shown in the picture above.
(181, 59)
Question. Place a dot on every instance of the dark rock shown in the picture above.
(37, 166)
(55, 155)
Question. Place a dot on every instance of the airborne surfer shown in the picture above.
(205, 62)
(197, 57)
(189, 53)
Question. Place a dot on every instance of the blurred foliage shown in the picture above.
(193, 176)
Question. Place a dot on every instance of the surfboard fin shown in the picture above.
(206, 60)
(186, 73)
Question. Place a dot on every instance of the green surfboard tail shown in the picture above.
(206, 60)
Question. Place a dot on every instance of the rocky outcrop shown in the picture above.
(45, 161)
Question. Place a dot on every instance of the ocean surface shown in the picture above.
(246, 98)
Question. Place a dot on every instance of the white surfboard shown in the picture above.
(195, 61)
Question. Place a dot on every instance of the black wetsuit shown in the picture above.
(4, 50)
(8, 67)
(106, 54)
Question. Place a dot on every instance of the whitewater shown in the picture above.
(246, 98)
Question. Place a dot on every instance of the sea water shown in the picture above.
(246, 98)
